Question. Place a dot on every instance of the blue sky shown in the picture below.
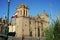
(35, 6)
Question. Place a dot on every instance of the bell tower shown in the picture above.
(23, 10)
(20, 20)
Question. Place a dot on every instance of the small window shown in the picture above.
(30, 22)
(31, 33)
(20, 12)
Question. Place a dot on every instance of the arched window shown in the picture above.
(24, 12)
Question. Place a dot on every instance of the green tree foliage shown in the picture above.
(53, 33)
(57, 30)
(0, 19)
(49, 33)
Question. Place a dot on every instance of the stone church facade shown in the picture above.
(27, 25)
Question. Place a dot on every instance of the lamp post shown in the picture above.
(8, 10)
(7, 22)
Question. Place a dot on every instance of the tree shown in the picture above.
(0, 19)
(57, 30)
(49, 33)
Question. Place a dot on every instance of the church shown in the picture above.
(30, 26)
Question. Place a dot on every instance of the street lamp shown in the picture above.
(8, 10)
(7, 22)
(8, 0)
